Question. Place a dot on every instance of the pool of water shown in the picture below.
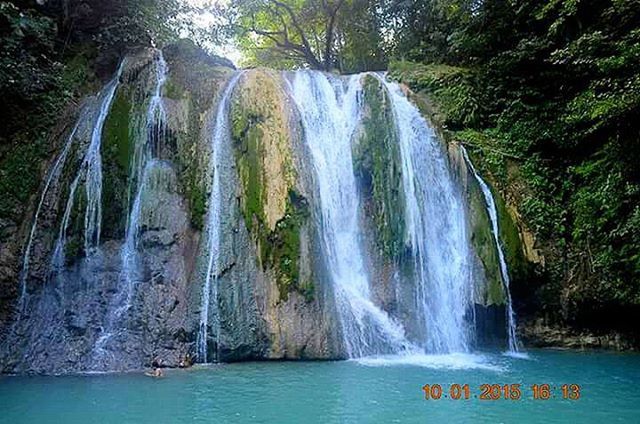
(375, 390)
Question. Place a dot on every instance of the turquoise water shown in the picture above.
(374, 391)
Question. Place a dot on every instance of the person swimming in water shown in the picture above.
(156, 373)
(186, 362)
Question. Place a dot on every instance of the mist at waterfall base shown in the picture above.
(331, 392)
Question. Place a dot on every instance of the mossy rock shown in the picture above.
(74, 246)
(378, 166)
(520, 268)
(484, 244)
(273, 210)
(117, 151)
(173, 90)
(247, 135)
(195, 79)
(282, 250)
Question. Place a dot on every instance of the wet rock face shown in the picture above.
(275, 248)
(539, 334)
(109, 310)
(85, 316)
(122, 307)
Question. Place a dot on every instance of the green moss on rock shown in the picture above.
(198, 201)
(173, 91)
(195, 78)
(520, 269)
(75, 233)
(191, 167)
(247, 135)
(283, 248)
(273, 211)
(484, 243)
(117, 151)
(485, 246)
(378, 167)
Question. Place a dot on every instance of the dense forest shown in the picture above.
(544, 94)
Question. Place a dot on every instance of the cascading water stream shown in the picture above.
(52, 178)
(93, 166)
(93, 183)
(504, 271)
(91, 169)
(330, 114)
(58, 258)
(221, 134)
(147, 147)
(436, 231)
(144, 162)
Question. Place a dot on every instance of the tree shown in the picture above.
(288, 32)
(361, 45)
(321, 34)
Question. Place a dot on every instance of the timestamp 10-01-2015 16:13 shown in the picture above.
(492, 392)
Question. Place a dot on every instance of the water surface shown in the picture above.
(381, 390)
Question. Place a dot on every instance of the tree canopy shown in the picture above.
(319, 34)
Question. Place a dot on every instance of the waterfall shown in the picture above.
(504, 272)
(147, 147)
(58, 258)
(436, 231)
(147, 150)
(52, 178)
(93, 170)
(221, 133)
(330, 113)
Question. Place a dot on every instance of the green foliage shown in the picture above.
(50, 56)
(26, 63)
(452, 88)
(140, 22)
(332, 34)
(19, 178)
(559, 87)
(361, 27)
(35, 89)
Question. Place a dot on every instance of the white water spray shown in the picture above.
(142, 173)
(147, 150)
(330, 113)
(436, 231)
(91, 168)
